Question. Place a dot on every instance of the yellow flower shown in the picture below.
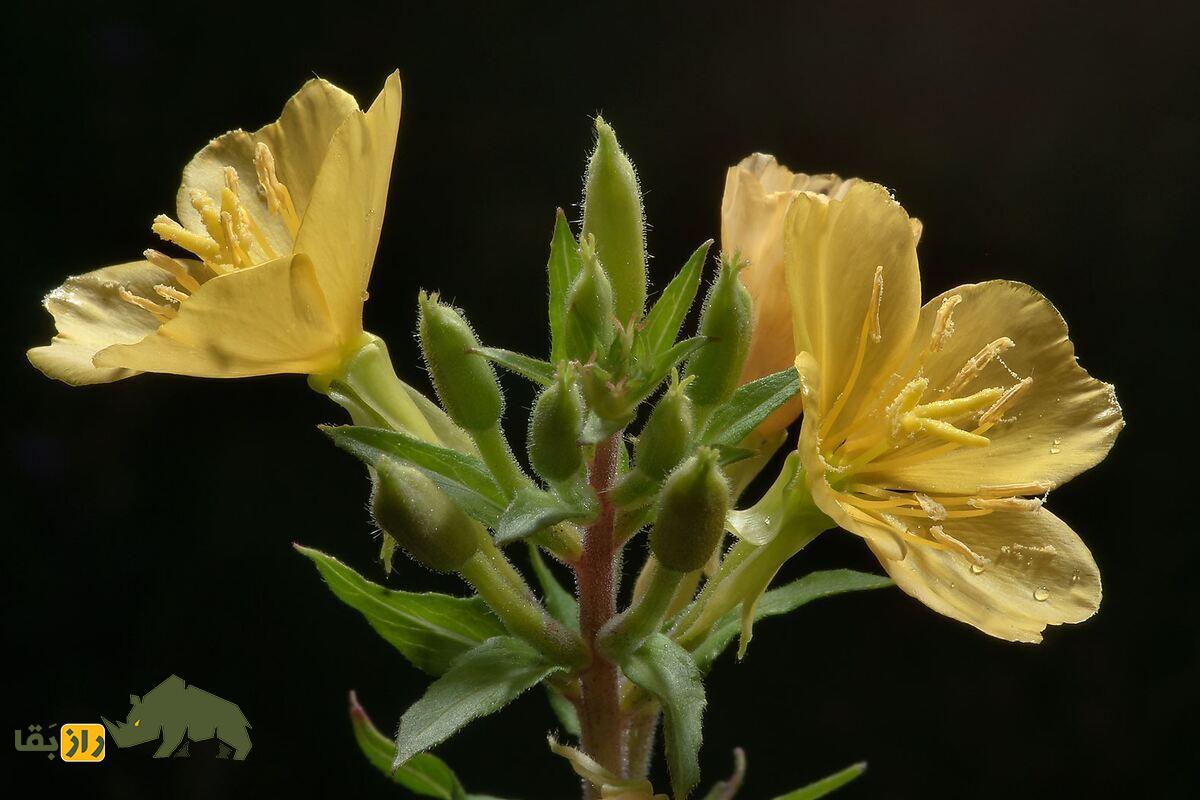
(280, 226)
(936, 431)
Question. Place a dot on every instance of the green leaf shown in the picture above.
(534, 369)
(424, 774)
(662, 324)
(430, 629)
(562, 268)
(532, 510)
(460, 475)
(561, 604)
(667, 671)
(451, 435)
(750, 405)
(667, 360)
(787, 598)
(826, 785)
(478, 683)
(565, 711)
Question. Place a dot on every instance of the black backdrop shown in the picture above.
(149, 524)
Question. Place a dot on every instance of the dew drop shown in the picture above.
(1041, 594)
(976, 569)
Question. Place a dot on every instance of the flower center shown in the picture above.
(916, 423)
(233, 239)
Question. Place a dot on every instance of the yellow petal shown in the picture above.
(1063, 424)
(340, 231)
(298, 141)
(833, 251)
(258, 321)
(1038, 572)
(757, 194)
(90, 316)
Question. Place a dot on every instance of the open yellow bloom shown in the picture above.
(936, 431)
(280, 227)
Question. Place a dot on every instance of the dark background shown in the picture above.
(149, 524)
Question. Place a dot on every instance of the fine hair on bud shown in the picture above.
(554, 429)
(412, 510)
(590, 318)
(667, 434)
(691, 513)
(464, 380)
(612, 212)
(726, 321)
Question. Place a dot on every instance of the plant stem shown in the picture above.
(601, 721)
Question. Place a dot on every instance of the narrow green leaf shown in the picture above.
(478, 683)
(460, 475)
(826, 785)
(532, 510)
(424, 774)
(750, 405)
(678, 352)
(429, 629)
(565, 711)
(561, 604)
(787, 598)
(662, 325)
(534, 369)
(666, 670)
(562, 268)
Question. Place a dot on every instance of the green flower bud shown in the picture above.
(665, 439)
(465, 381)
(717, 366)
(691, 513)
(554, 429)
(426, 523)
(612, 212)
(589, 307)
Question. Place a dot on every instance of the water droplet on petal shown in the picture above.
(1041, 594)
(976, 569)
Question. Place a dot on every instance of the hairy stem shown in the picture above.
(601, 721)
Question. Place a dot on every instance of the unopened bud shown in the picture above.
(408, 507)
(691, 514)
(589, 307)
(554, 429)
(717, 365)
(612, 212)
(465, 381)
(665, 439)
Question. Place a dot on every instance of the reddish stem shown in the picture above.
(601, 721)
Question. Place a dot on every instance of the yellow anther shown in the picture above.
(945, 409)
(875, 304)
(210, 215)
(939, 535)
(1014, 489)
(943, 323)
(163, 313)
(171, 231)
(1006, 503)
(943, 430)
(1005, 402)
(178, 271)
(232, 183)
(236, 253)
(931, 507)
(169, 293)
(908, 399)
(977, 362)
(279, 200)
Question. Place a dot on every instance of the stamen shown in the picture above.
(905, 402)
(210, 215)
(1007, 503)
(1006, 400)
(169, 293)
(870, 326)
(178, 271)
(1008, 489)
(942, 409)
(238, 255)
(943, 323)
(279, 200)
(931, 507)
(939, 535)
(171, 231)
(164, 313)
(944, 431)
(977, 362)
